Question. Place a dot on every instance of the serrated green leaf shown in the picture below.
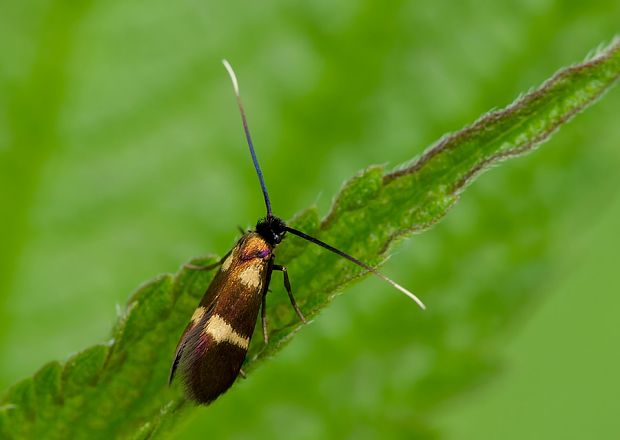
(47, 381)
(120, 390)
(83, 369)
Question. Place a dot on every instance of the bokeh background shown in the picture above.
(122, 156)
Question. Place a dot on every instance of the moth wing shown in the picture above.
(215, 343)
(200, 317)
(214, 346)
(207, 302)
(177, 354)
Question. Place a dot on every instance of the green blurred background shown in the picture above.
(122, 156)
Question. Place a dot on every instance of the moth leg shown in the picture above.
(242, 374)
(263, 317)
(206, 267)
(241, 230)
(287, 285)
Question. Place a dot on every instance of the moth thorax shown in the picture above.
(255, 246)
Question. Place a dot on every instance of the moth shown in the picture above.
(214, 344)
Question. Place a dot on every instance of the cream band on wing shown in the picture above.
(221, 331)
(227, 261)
(198, 314)
(251, 276)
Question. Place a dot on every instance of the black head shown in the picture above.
(272, 229)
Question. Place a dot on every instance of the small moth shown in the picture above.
(214, 344)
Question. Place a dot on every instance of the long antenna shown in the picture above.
(358, 262)
(233, 78)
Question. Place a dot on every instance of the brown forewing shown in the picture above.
(214, 343)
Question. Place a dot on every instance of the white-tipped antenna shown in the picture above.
(358, 262)
(233, 77)
(410, 294)
(261, 179)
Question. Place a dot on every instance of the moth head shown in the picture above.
(272, 229)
